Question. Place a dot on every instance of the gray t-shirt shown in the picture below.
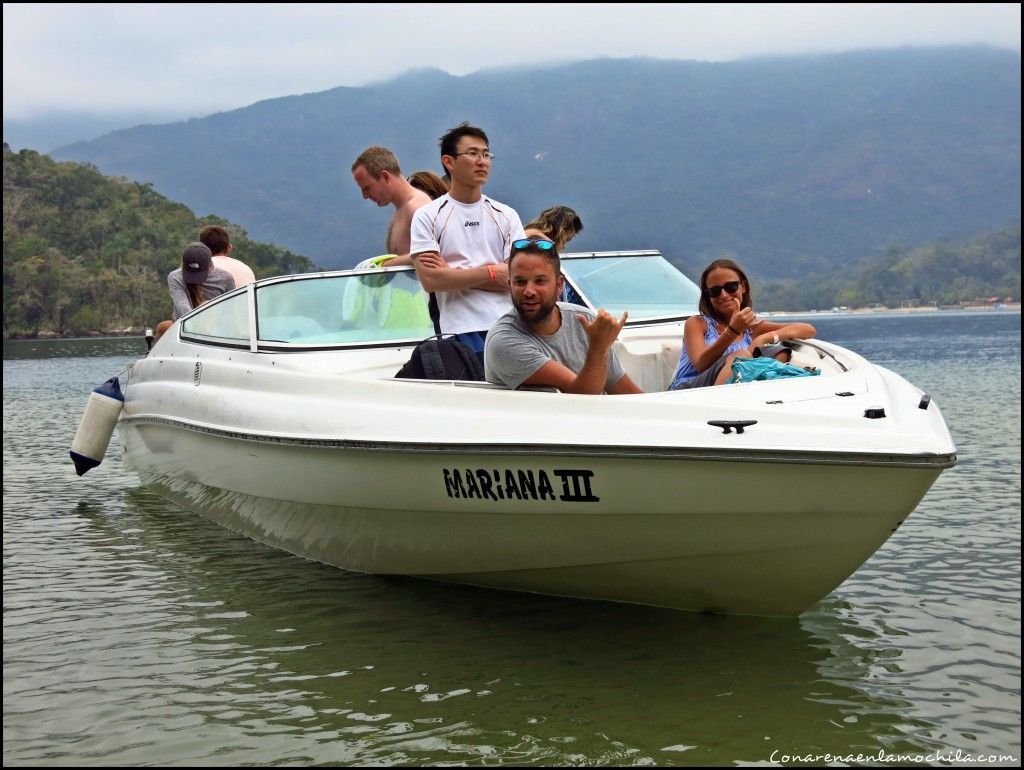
(217, 282)
(514, 352)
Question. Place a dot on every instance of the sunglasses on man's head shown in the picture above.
(730, 286)
(525, 243)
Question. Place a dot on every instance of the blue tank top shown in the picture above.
(686, 371)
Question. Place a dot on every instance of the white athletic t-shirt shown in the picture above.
(467, 235)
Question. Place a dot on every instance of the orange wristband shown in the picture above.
(492, 272)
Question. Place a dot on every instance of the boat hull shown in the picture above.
(752, 534)
(757, 498)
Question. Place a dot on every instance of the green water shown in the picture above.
(138, 633)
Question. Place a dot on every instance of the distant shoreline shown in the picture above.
(47, 335)
(1009, 307)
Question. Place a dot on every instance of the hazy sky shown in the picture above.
(193, 59)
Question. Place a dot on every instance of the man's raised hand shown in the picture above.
(604, 329)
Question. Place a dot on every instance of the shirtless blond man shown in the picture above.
(379, 178)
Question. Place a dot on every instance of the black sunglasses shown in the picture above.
(730, 286)
(525, 243)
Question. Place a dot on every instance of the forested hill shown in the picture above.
(793, 165)
(84, 252)
(943, 273)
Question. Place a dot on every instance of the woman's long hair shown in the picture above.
(194, 297)
(428, 182)
(560, 223)
(705, 305)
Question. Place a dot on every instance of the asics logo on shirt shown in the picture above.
(471, 224)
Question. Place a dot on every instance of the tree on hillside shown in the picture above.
(941, 273)
(84, 252)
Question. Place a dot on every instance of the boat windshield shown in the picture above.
(377, 306)
(647, 285)
(318, 310)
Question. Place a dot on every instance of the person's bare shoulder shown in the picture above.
(696, 323)
(399, 238)
(417, 200)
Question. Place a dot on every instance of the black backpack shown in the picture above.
(442, 358)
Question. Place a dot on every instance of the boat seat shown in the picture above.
(289, 328)
(652, 372)
(803, 355)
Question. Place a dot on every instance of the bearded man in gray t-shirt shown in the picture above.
(545, 342)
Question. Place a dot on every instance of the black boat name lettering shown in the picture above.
(508, 484)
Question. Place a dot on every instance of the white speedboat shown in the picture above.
(274, 411)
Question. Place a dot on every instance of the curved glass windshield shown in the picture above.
(227, 319)
(647, 286)
(378, 306)
(382, 306)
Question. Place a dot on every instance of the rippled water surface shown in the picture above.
(136, 632)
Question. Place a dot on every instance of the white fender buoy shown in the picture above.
(97, 426)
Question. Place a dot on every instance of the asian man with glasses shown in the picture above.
(461, 240)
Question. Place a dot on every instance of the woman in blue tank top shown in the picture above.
(725, 328)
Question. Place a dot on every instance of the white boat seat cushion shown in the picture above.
(652, 372)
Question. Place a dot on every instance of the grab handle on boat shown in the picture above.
(728, 425)
(924, 402)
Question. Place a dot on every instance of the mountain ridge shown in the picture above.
(85, 253)
(789, 164)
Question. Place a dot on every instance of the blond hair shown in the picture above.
(376, 159)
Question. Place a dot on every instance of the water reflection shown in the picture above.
(247, 654)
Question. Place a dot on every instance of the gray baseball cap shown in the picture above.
(196, 262)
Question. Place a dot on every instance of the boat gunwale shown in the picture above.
(789, 456)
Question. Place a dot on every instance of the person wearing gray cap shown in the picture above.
(195, 282)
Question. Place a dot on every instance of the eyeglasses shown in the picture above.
(476, 154)
(525, 243)
(730, 286)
